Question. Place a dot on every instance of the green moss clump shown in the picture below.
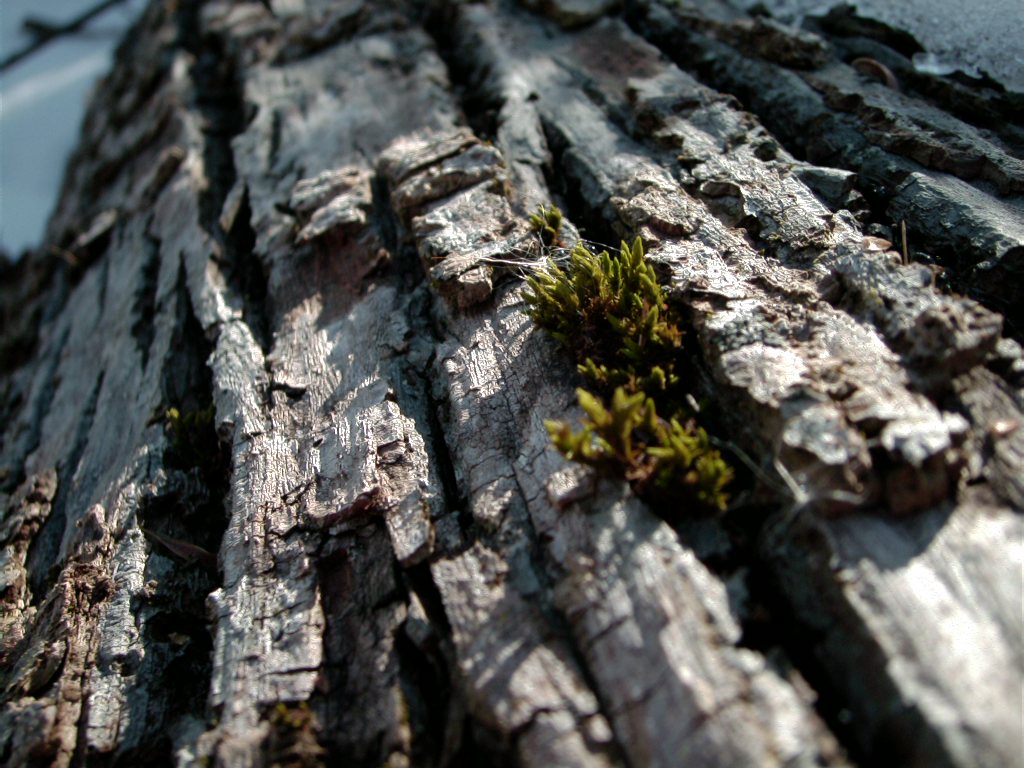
(294, 736)
(612, 312)
(294, 716)
(547, 222)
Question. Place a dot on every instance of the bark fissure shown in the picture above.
(46, 553)
(771, 626)
(221, 108)
(247, 277)
(145, 300)
(478, 107)
(29, 425)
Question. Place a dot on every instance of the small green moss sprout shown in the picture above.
(193, 438)
(612, 312)
(294, 736)
(547, 222)
(294, 716)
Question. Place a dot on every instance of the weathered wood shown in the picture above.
(918, 163)
(312, 218)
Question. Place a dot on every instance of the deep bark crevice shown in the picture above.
(177, 664)
(143, 329)
(426, 682)
(359, 585)
(43, 560)
(247, 277)
(455, 500)
(478, 107)
(481, 747)
(184, 509)
(772, 629)
(594, 223)
(417, 394)
(220, 102)
(48, 367)
(218, 99)
(768, 623)
(187, 382)
(195, 451)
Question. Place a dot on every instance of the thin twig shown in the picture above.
(877, 70)
(183, 550)
(43, 32)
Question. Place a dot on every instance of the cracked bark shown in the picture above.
(303, 221)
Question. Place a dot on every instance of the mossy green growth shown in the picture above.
(295, 716)
(612, 312)
(547, 222)
(294, 736)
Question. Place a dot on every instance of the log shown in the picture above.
(276, 484)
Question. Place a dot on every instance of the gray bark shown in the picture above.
(311, 217)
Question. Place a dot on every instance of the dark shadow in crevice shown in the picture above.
(246, 275)
(194, 447)
(220, 100)
(413, 380)
(360, 585)
(479, 109)
(184, 513)
(426, 683)
(144, 304)
(43, 561)
(829, 643)
(47, 375)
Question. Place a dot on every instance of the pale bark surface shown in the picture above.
(309, 218)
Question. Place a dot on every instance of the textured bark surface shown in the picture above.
(303, 225)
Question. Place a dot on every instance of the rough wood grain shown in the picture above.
(303, 227)
(918, 164)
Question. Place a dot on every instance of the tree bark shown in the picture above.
(276, 483)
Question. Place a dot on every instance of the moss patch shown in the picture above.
(611, 312)
(547, 222)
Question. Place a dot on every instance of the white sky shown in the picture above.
(42, 101)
